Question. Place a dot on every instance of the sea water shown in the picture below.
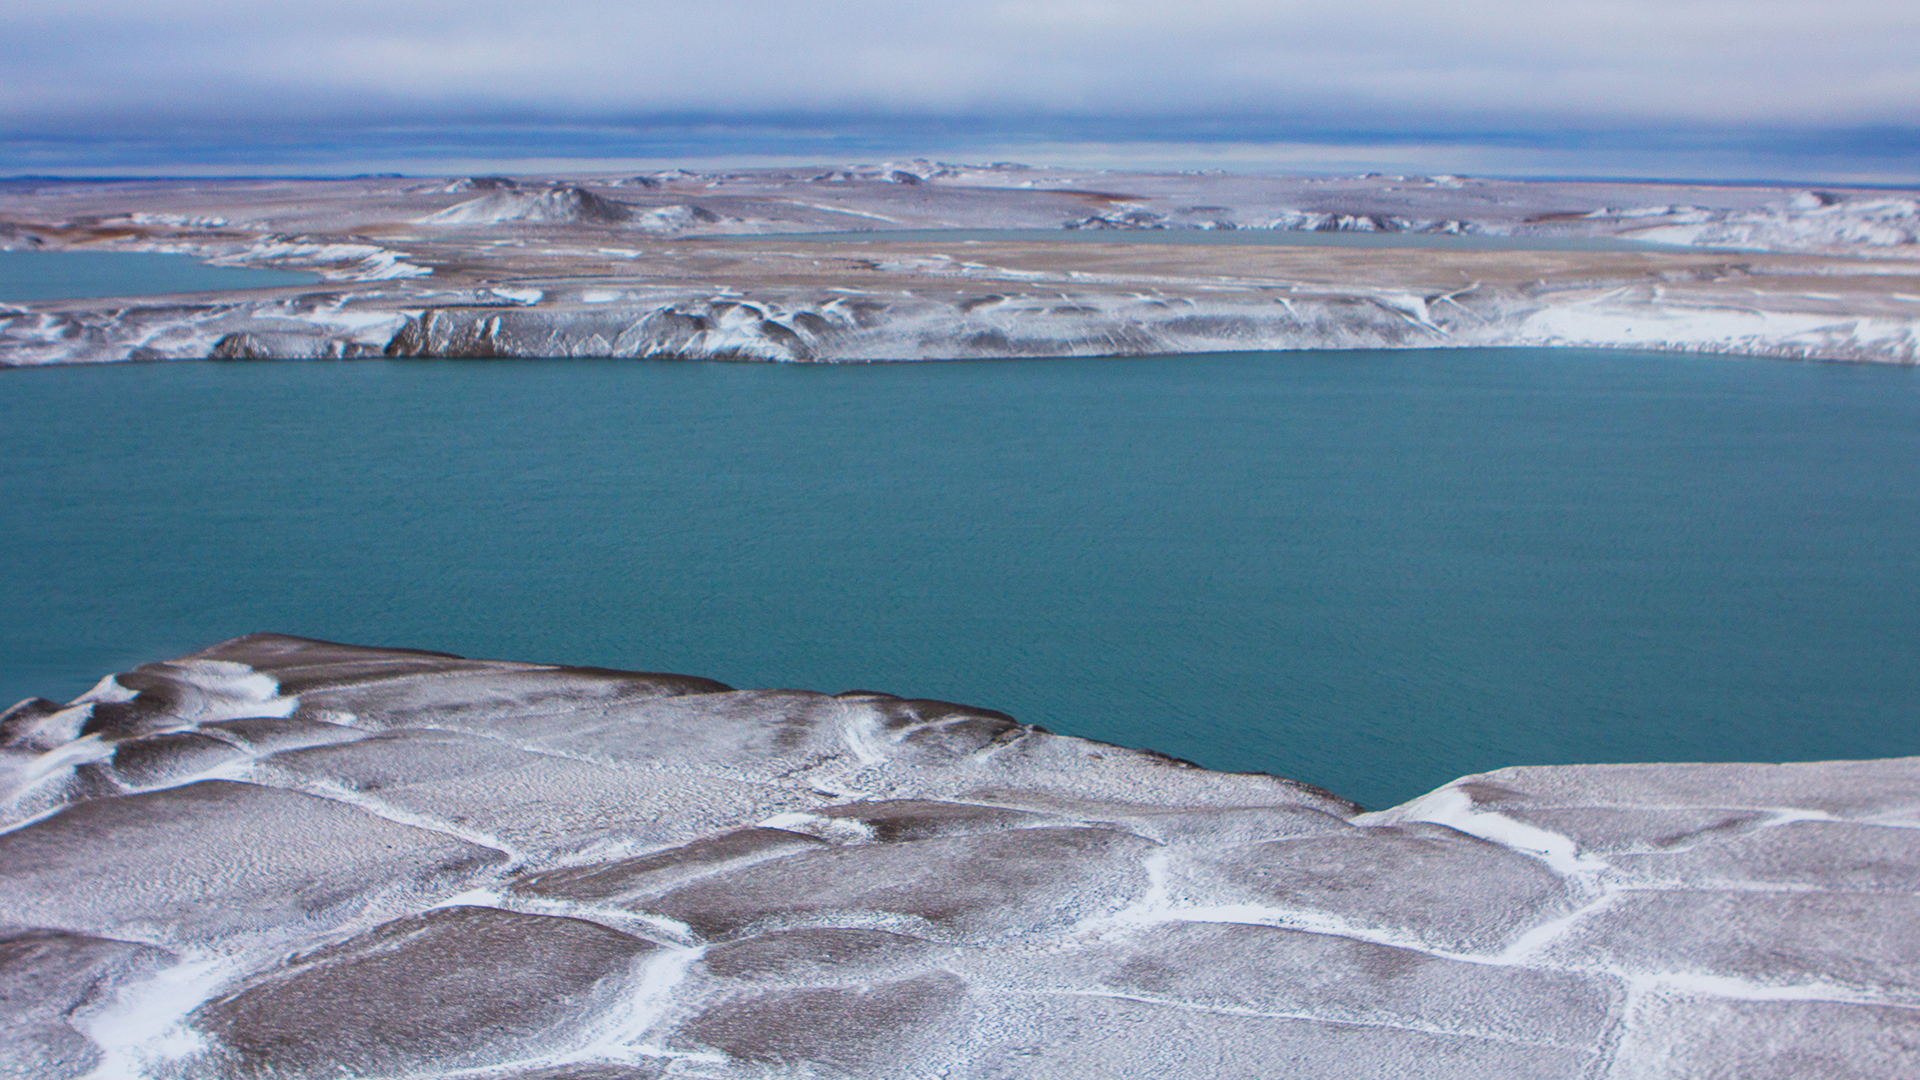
(72, 275)
(1372, 571)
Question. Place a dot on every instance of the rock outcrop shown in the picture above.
(507, 203)
(288, 858)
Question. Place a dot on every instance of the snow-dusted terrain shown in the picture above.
(681, 264)
(290, 859)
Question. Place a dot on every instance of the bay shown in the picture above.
(1371, 571)
(73, 275)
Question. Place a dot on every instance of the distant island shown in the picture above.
(975, 261)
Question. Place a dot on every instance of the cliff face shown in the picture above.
(1025, 300)
(289, 858)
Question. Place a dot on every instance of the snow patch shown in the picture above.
(142, 1031)
(1454, 808)
(336, 262)
(178, 221)
(517, 296)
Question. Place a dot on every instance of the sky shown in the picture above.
(1605, 87)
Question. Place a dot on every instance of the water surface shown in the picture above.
(74, 275)
(1374, 571)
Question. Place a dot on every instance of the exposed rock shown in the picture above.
(308, 344)
(455, 987)
(154, 761)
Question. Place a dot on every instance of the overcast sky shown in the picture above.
(82, 66)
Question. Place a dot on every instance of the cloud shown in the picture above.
(89, 63)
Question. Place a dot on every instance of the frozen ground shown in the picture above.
(695, 265)
(285, 858)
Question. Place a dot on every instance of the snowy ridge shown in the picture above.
(540, 872)
(565, 206)
(561, 204)
(335, 262)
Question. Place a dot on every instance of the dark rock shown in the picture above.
(859, 1032)
(812, 323)
(19, 726)
(454, 987)
(265, 734)
(159, 760)
(313, 344)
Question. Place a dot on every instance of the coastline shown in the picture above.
(867, 885)
(534, 268)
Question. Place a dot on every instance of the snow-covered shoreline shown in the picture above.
(816, 325)
(559, 266)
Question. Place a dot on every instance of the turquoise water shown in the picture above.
(1228, 237)
(74, 275)
(1371, 571)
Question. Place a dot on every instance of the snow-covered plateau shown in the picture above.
(282, 858)
(785, 265)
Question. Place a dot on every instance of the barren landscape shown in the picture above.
(289, 858)
(785, 265)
